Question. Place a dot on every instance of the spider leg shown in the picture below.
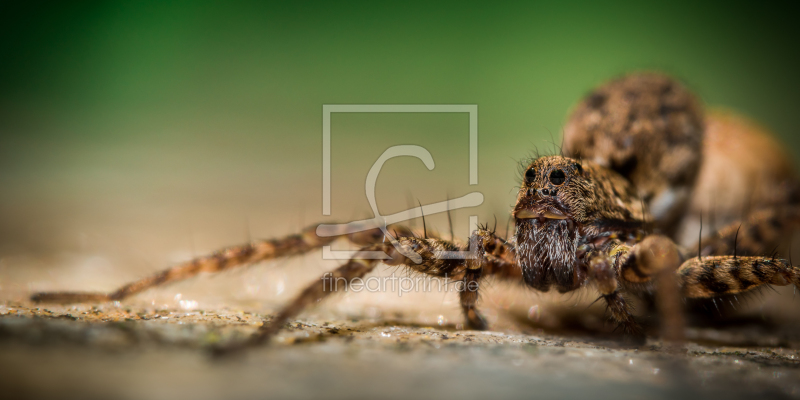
(760, 231)
(709, 277)
(357, 267)
(222, 260)
(601, 271)
(698, 277)
(654, 257)
(492, 255)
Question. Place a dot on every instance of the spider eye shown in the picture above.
(530, 175)
(557, 177)
(579, 168)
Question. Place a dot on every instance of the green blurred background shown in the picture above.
(166, 125)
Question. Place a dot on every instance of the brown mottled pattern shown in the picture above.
(646, 127)
(762, 227)
(712, 276)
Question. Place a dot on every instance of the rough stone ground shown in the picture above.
(370, 345)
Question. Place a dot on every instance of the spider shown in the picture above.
(640, 162)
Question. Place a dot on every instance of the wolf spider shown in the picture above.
(640, 162)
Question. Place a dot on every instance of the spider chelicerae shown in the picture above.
(620, 209)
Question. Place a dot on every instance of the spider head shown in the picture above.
(553, 189)
(561, 203)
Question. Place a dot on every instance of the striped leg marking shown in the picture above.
(708, 277)
(219, 261)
